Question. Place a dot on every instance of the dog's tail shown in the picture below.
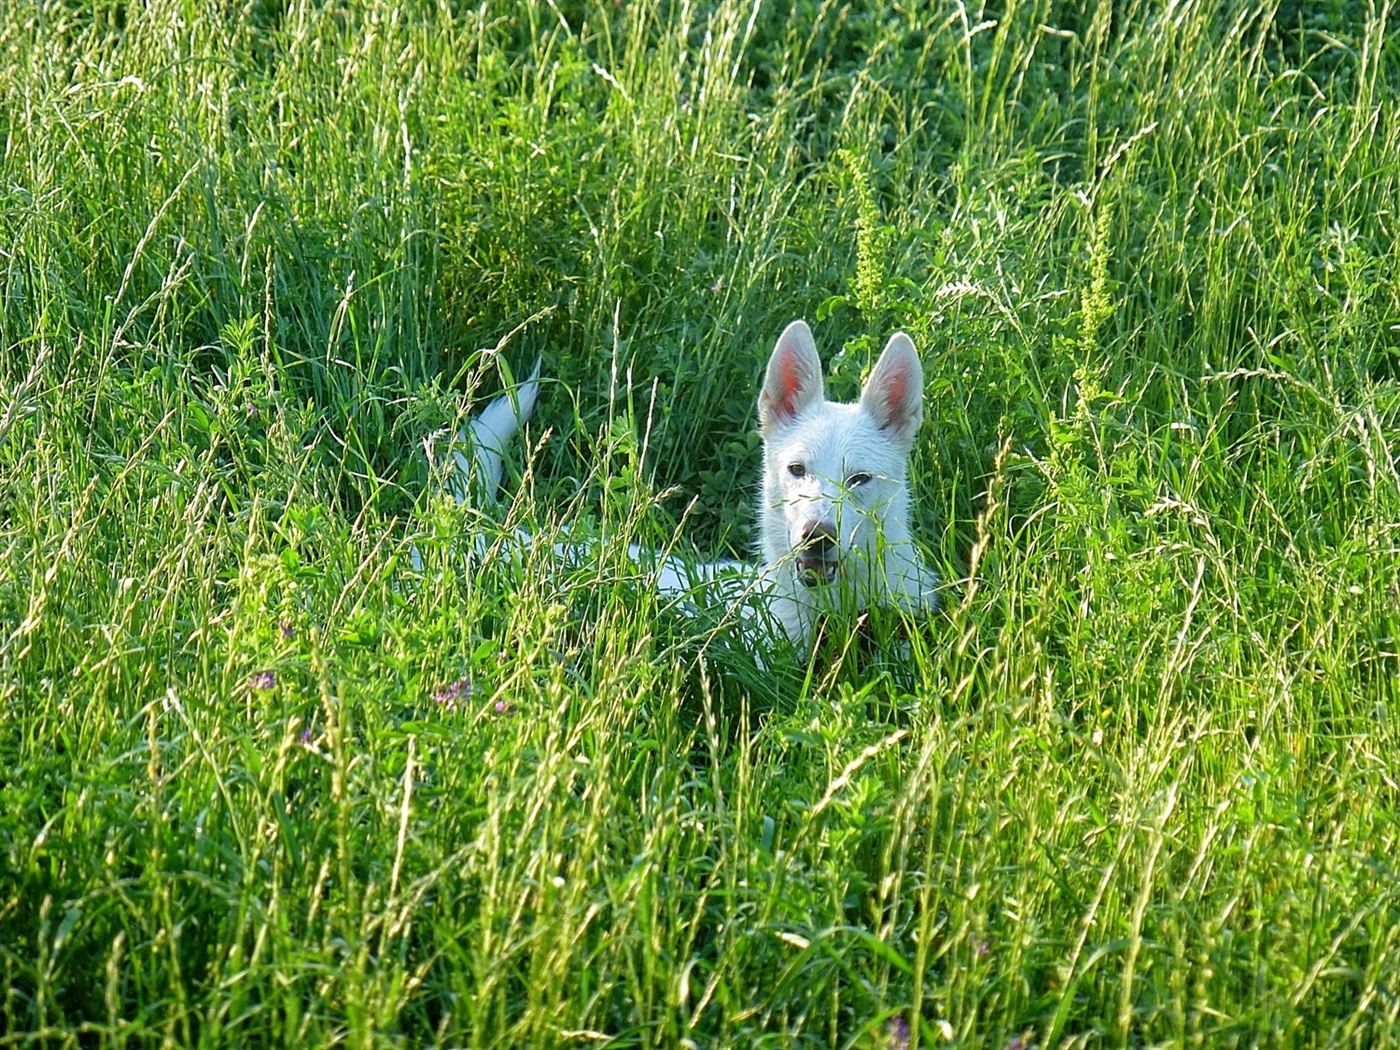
(488, 434)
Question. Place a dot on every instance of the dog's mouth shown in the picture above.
(814, 570)
(817, 555)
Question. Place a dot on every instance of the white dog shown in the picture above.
(834, 508)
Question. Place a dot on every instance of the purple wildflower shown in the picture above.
(458, 690)
(504, 707)
(263, 680)
(306, 737)
(252, 410)
(1017, 1042)
(897, 1031)
(288, 631)
(980, 948)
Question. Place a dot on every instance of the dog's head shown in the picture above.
(834, 479)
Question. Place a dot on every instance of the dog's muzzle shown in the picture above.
(818, 554)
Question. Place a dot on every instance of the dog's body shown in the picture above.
(834, 530)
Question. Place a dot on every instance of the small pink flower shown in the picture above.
(451, 694)
(306, 737)
(263, 680)
(504, 707)
(980, 948)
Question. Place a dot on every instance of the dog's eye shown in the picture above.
(856, 480)
(797, 470)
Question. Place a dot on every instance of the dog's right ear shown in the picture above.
(894, 393)
(794, 378)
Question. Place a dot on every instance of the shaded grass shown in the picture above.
(264, 783)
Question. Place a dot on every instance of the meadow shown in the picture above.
(265, 783)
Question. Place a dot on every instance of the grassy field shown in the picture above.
(262, 783)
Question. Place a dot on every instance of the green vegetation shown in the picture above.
(261, 783)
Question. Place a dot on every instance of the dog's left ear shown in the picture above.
(794, 380)
(894, 393)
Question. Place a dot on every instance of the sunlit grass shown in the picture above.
(265, 782)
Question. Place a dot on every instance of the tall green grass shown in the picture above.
(265, 783)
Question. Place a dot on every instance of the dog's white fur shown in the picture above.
(488, 435)
(834, 510)
(834, 529)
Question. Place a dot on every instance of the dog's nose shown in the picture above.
(817, 554)
(819, 539)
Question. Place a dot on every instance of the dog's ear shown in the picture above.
(894, 393)
(794, 377)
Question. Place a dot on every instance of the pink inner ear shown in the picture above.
(791, 380)
(895, 389)
(792, 377)
(891, 397)
(894, 395)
